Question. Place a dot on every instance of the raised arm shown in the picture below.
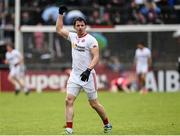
(59, 23)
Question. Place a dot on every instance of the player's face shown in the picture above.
(80, 27)
(140, 46)
(8, 48)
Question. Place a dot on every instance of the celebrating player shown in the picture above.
(85, 56)
(16, 66)
(143, 63)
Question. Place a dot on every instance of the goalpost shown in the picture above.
(116, 29)
(148, 32)
(148, 29)
(119, 28)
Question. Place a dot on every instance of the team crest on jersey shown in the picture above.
(83, 40)
(74, 45)
(77, 47)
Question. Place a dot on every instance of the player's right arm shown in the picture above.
(149, 61)
(59, 23)
(6, 60)
(135, 61)
(20, 58)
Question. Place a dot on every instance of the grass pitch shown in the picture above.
(43, 114)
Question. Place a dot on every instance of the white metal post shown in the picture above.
(17, 25)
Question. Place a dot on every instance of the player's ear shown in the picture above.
(74, 27)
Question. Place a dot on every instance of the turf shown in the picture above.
(43, 114)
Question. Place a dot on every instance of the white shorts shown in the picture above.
(143, 69)
(17, 72)
(75, 84)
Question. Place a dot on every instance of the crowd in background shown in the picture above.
(101, 12)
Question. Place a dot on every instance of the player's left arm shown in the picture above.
(134, 61)
(95, 57)
(21, 58)
(6, 61)
(150, 61)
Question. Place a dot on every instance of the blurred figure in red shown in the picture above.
(120, 84)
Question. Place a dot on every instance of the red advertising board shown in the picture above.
(54, 80)
(5, 85)
(161, 81)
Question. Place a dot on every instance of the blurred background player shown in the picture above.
(85, 56)
(143, 62)
(17, 71)
(120, 84)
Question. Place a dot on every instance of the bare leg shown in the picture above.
(12, 80)
(69, 113)
(16, 81)
(142, 79)
(23, 84)
(101, 112)
(99, 108)
(139, 82)
(20, 82)
(16, 84)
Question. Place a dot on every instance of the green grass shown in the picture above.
(43, 114)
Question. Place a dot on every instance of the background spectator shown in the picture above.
(151, 12)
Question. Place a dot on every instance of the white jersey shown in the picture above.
(81, 59)
(81, 55)
(13, 58)
(142, 56)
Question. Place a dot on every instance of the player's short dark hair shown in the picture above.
(141, 43)
(79, 19)
(10, 44)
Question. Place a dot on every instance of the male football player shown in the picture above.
(16, 65)
(120, 84)
(85, 56)
(143, 63)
